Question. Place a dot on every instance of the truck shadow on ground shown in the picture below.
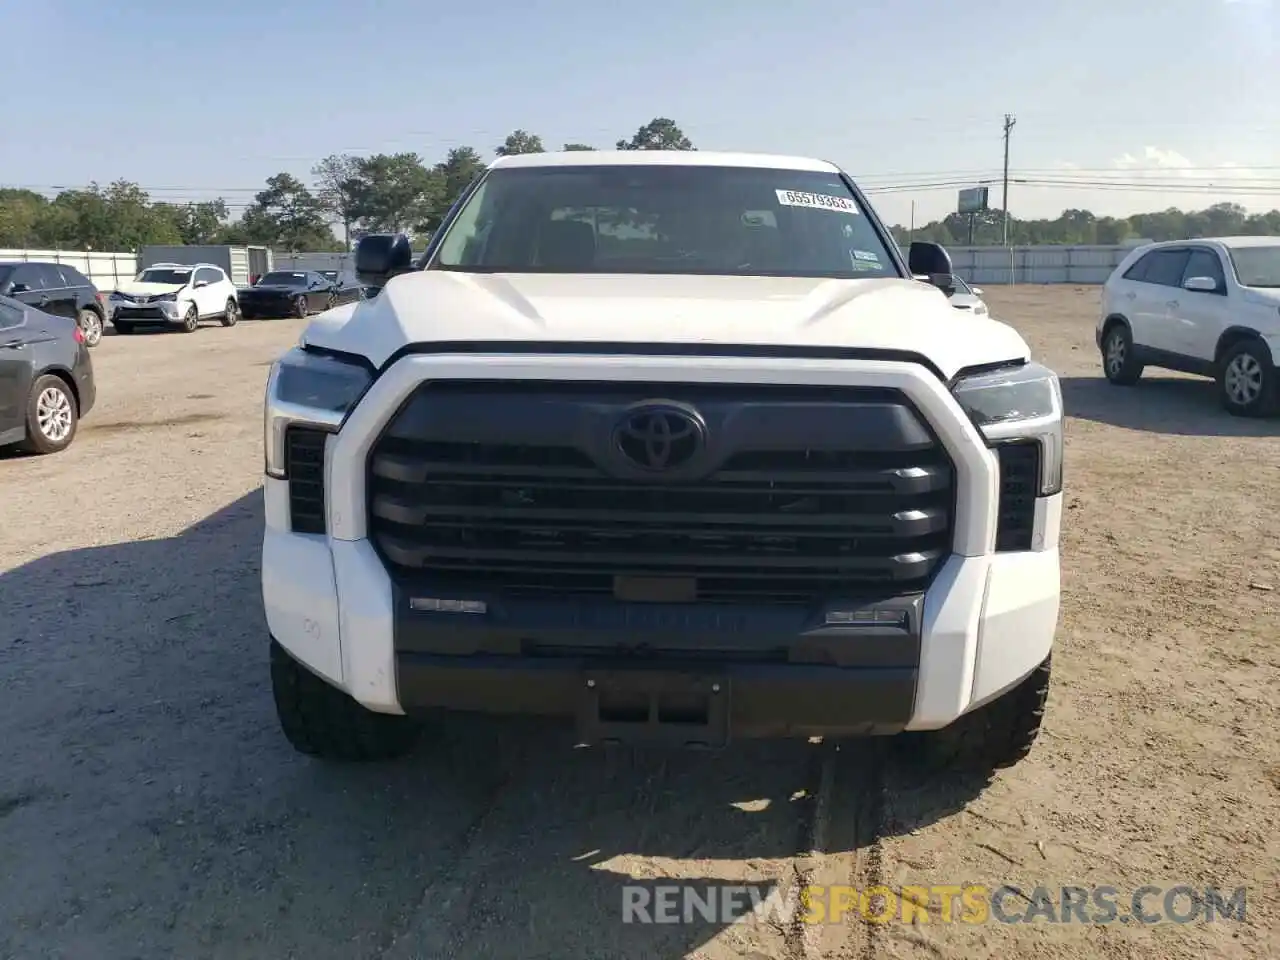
(1179, 406)
(152, 808)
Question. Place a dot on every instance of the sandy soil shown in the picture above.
(149, 806)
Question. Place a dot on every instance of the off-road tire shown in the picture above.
(1118, 364)
(996, 736)
(191, 320)
(1249, 358)
(231, 314)
(37, 441)
(91, 324)
(322, 721)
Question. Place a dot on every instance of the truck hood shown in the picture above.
(437, 306)
(138, 288)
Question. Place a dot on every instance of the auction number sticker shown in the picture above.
(816, 201)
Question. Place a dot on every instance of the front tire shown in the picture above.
(1247, 380)
(52, 416)
(300, 308)
(91, 326)
(191, 321)
(1118, 363)
(994, 737)
(322, 721)
(231, 315)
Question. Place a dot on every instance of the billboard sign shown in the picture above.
(972, 200)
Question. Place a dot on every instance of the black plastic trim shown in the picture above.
(304, 471)
(1019, 485)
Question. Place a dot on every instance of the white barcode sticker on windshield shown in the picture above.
(817, 201)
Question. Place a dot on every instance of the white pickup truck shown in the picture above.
(672, 445)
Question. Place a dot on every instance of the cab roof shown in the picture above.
(653, 158)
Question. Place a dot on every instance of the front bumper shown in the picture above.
(267, 306)
(166, 311)
(983, 624)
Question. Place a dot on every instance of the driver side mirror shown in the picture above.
(381, 256)
(933, 261)
(200, 283)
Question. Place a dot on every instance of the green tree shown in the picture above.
(576, 146)
(338, 189)
(286, 214)
(659, 133)
(520, 141)
(22, 214)
(458, 171)
(394, 193)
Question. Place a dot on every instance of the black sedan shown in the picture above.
(46, 378)
(291, 293)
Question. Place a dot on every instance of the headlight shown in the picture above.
(165, 297)
(310, 389)
(1019, 403)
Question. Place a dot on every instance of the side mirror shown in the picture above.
(19, 288)
(933, 261)
(977, 291)
(200, 283)
(381, 256)
(1201, 284)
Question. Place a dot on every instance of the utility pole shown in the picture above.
(1009, 123)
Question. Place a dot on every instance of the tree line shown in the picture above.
(403, 192)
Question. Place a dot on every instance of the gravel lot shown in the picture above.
(149, 807)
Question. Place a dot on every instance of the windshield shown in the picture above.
(1257, 266)
(664, 220)
(164, 276)
(285, 279)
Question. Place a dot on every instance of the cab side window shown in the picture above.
(10, 315)
(1166, 267)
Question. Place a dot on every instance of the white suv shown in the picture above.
(673, 444)
(1209, 307)
(181, 294)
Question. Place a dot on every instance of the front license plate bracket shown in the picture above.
(651, 707)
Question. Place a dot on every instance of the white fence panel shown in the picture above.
(105, 269)
(991, 266)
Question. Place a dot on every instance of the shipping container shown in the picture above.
(240, 263)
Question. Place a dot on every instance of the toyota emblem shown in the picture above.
(659, 437)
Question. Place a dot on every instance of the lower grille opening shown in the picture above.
(1019, 482)
(304, 466)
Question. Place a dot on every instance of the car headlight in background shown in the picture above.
(1018, 403)
(165, 298)
(309, 389)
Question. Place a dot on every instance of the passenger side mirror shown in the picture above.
(200, 283)
(381, 256)
(1201, 284)
(933, 261)
(977, 291)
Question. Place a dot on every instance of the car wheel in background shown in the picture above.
(192, 320)
(300, 308)
(1247, 380)
(1118, 362)
(232, 313)
(51, 415)
(91, 326)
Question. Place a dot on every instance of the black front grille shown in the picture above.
(1019, 482)
(304, 466)
(139, 313)
(485, 487)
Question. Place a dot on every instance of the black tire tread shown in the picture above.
(35, 441)
(1132, 371)
(996, 736)
(322, 721)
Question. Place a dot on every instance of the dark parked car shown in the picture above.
(46, 377)
(58, 289)
(349, 288)
(292, 293)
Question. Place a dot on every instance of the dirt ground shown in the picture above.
(149, 807)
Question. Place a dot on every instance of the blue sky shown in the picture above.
(199, 101)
